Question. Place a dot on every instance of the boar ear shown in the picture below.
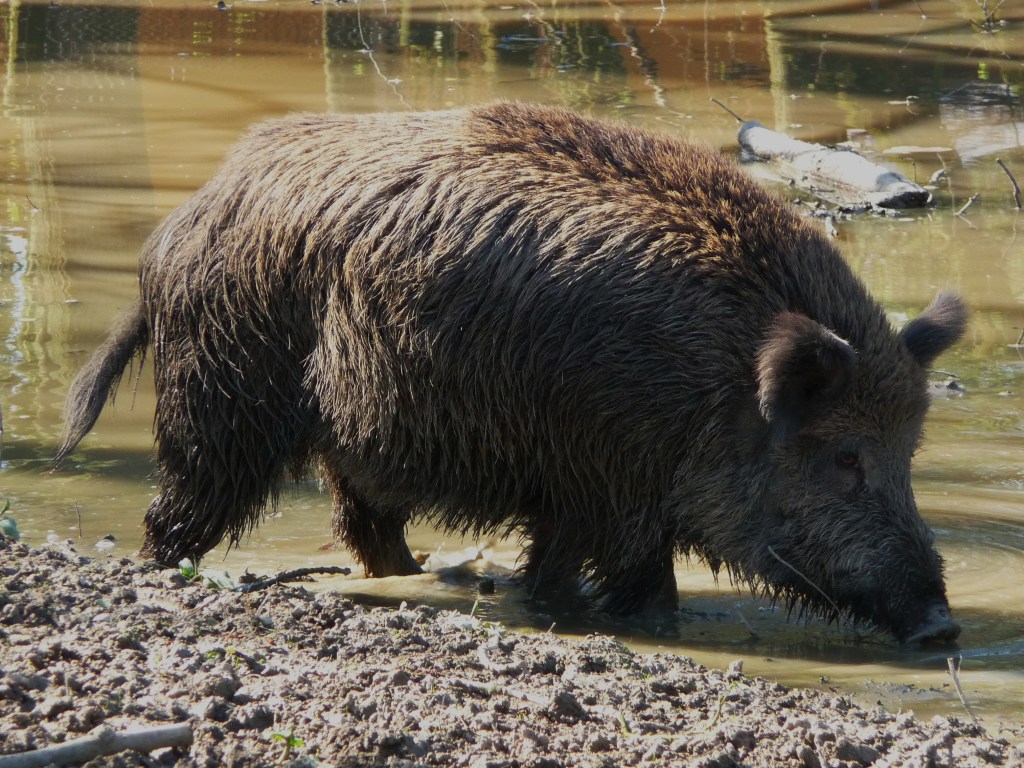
(932, 332)
(801, 368)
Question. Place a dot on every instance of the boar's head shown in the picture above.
(842, 533)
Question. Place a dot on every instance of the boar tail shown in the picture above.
(97, 381)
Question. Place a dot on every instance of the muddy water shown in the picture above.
(113, 114)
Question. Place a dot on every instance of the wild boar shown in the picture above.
(515, 318)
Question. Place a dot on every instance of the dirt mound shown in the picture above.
(283, 676)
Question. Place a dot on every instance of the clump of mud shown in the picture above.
(286, 677)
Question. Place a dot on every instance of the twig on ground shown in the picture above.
(1013, 181)
(970, 201)
(532, 698)
(485, 690)
(293, 575)
(954, 672)
(479, 689)
(105, 741)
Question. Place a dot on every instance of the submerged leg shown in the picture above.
(553, 563)
(647, 586)
(629, 577)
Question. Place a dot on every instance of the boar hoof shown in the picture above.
(938, 627)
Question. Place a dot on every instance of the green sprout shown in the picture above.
(290, 741)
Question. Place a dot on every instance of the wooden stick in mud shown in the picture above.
(954, 672)
(103, 741)
(293, 575)
(968, 204)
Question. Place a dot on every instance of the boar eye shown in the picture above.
(848, 460)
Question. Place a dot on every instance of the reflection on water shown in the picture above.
(114, 113)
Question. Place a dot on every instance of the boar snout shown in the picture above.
(937, 627)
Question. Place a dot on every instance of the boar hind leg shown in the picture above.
(221, 453)
(374, 533)
(553, 565)
(207, 491)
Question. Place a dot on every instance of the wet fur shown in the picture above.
(508, 317)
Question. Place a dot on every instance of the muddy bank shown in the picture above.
(286, 677)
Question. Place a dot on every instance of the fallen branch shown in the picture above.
(102, 741)
(837, 175)
(292, 575)
(1016, 189)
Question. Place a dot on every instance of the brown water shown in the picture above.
(113, 114)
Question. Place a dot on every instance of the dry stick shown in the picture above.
(954, 672)
(989, 16)
(968, 204)
(1016, 189)
(485, 690)
(105, 742)
(480, 689)
(820, 591)
(1020, 339)
(738, 118)
(292, 575)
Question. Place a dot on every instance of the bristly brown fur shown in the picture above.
(514, 317)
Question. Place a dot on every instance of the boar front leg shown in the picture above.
(375, 533)
(648, 586)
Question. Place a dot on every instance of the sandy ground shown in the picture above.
(285, 677)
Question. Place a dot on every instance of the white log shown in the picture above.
(836, 175)
(102, 741)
